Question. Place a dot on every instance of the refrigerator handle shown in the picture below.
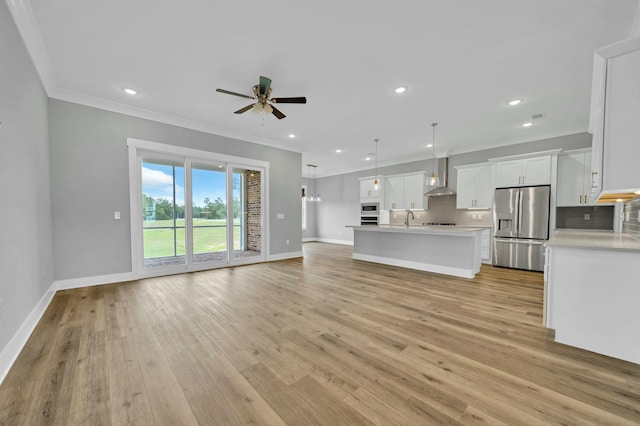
(519, 224)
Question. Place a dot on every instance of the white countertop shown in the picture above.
(420, 229)
(594, 240)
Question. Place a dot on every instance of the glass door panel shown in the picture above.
(163, 227)
(209, 213)
(247, 213)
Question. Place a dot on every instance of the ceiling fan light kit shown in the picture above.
(263, 100)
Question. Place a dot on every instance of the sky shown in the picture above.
(157, 182)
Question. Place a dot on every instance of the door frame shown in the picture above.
(188, 155)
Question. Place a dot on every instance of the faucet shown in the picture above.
(406, 220)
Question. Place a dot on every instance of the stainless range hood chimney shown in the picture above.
(443, 174)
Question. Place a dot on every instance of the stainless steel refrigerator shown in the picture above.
(521, 226)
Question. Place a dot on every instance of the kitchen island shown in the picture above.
(443, 249)
(591, 291)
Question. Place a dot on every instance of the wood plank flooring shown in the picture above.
(322, 341)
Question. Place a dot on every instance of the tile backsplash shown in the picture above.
(585, 217)
(631, 224)
(443, 210)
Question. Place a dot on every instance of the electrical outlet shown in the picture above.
(287, 242)
(479, 216)
(587, 216)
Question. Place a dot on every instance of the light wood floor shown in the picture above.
(325, 340)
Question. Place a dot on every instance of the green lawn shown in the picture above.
(159, 242)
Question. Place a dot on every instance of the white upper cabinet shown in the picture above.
(394, 195)
(523, 171)
(615, 120)
(475, 188)
(414, 191)
(368, 192)
(405, 192)
(574, 178)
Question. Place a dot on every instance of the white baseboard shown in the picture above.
(283, 256)
(95, 280)
(10, 353)
(329, 240)
(428, 267)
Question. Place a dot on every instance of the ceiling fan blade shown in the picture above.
(245, 109)
(279, 115)
(298, 100)
(265, 84)
(234, 94)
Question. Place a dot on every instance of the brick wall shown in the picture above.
(253, 208)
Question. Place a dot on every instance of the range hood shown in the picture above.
(443, 174)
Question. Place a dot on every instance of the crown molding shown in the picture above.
(27, 25)
(104, 104)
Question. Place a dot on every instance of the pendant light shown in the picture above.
(313, 196)
(376, 184)
(317, 196)
(433, 180)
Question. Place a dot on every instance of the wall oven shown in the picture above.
(369, 213)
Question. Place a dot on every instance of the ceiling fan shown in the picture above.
(264, 101)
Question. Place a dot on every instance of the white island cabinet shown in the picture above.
(442, 249)
(592, 291)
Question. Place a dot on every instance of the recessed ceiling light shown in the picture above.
(400, 89)
(429, 145)
(367, 158)
(130, 91)
(338, 151)
(292, 135)
(527, 124)
(514, 102)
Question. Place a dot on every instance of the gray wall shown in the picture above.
(26, 265)
(341, 193)
(90, 180)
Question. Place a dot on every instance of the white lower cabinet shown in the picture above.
(485, 246)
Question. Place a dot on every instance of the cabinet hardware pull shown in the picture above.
(581, 199)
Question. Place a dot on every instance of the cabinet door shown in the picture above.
(394, 193)
(571, 170)
(622, 126)
(414, 191)
(367, 189)
(508, 173)
(485, 188)
(467, 188)
(586, 178)
(537, 170)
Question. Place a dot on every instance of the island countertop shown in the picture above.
(422, 229)
(594, 240)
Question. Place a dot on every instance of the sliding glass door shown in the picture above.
(209, 213)
(196, 213)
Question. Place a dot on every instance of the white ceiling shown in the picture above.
(461, 59)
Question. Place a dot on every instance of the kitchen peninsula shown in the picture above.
(441, 249)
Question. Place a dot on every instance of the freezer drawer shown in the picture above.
(519, 254)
